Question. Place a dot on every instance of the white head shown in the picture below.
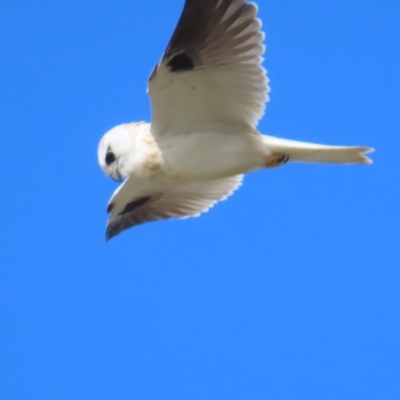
(115, 150)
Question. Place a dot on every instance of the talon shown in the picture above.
(276, 160)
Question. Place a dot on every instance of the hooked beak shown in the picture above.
(116, 176)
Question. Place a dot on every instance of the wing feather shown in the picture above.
(211, 70)
(137, 202)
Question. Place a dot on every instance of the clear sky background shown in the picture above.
(288, 290)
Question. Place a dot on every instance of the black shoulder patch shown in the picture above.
(133, 205)
(181, 62)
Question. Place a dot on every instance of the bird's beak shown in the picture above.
(116, 176)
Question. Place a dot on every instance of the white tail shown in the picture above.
(318, 153)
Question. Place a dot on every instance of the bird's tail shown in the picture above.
(318, 153)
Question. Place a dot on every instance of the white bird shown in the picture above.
(207, 93)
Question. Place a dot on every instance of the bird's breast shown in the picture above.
(150, 161)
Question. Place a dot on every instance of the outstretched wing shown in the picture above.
(211, 70)
(138, 201)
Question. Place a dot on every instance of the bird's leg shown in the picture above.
(276, 160)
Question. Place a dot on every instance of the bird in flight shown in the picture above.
(207, 94)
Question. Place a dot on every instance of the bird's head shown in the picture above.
(114, 151)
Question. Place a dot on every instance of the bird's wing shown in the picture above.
(136, 202)
(211, 70)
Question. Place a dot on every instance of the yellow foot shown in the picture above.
(276, 160)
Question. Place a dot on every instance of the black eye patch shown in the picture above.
(110, 158)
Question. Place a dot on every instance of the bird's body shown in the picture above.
(207, 93)
(199, 153)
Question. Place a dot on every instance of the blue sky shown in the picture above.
(289, 290)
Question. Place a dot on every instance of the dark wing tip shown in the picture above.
(127, 218)
(122, 223)
(111, 232)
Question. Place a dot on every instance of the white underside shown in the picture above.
(209, 155)
(205, 154)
